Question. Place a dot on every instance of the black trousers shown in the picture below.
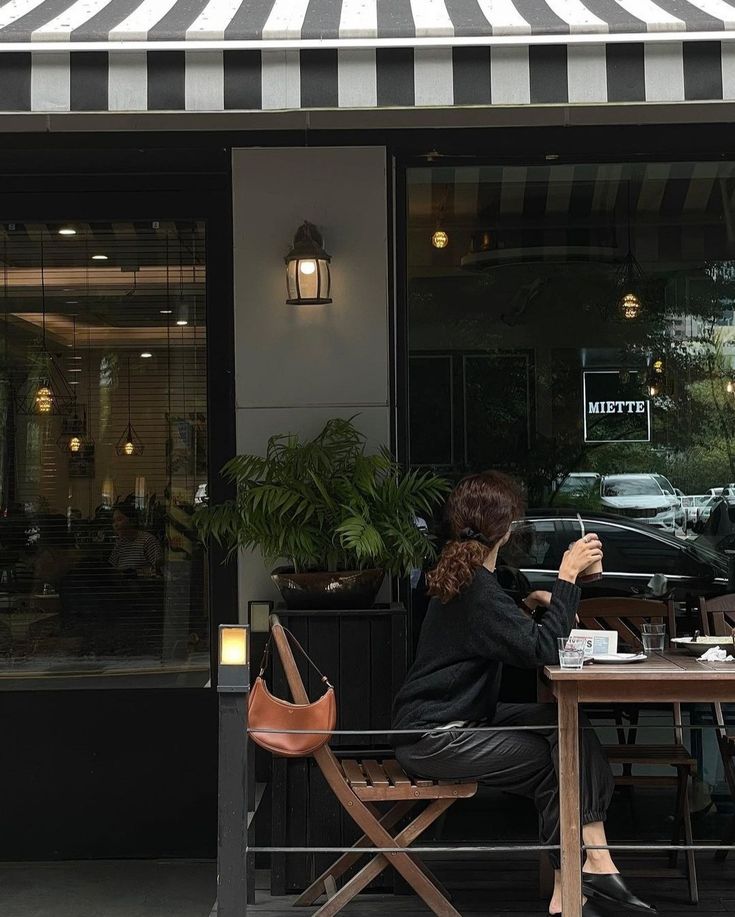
(525, 763)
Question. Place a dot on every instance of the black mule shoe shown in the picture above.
(612, 887)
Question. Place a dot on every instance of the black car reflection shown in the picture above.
(633, 552)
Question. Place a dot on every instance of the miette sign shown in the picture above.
(613, 409)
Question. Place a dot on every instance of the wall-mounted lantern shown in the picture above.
(307, 269)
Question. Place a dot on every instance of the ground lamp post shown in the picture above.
(233, 687)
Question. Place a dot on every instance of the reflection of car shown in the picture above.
(633, 554)
(647, 498)
(578, 483)
(698, 508)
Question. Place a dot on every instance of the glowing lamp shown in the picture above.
(44, 400)
(630, 306)
(308, 279)
(440, 239)
(234, 658)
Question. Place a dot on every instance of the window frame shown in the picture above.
(138, 198)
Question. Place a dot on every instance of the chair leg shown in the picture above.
(341, 865)
(728, 839)
(430, 894)
(728, 760)
(689, 840)
(679, 814)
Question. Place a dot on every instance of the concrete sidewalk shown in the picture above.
(122, 888)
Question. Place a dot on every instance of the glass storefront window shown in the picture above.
(577, 330)
(103, 454)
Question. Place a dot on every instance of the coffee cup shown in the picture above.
(592, 573)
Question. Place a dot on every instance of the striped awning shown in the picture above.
(219, 55)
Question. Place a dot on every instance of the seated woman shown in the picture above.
(471, 628)
(134, 549)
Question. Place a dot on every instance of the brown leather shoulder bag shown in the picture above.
(268, 712)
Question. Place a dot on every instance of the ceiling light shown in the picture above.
(182, 321)
(73, 370)
(71, 302)
(67, 231)
(99, 257)
(166, 311)
(145, 355)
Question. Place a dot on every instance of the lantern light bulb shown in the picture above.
(730, 386)
(440, 239)
(630, 306)
(44, 400)
(75, 444)
(128, 448)
(308, 266)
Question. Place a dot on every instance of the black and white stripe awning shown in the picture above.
(218, 55)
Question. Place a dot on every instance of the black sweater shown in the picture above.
(463, 644)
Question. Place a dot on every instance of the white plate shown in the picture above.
(702, 644)
(620, 657)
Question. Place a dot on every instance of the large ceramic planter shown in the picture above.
(340, 589)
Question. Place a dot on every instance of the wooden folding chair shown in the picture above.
(626, 615)
(717, 618)
(361, 786)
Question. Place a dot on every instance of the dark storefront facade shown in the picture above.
(490, 191)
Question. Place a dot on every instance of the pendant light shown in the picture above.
(46, 393)
(440, 237)
(630, 280)
(5, 369)
(74, 427)
(130, 443)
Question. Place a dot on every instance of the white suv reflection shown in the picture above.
(647, 498)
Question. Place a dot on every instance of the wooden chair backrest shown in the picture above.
(717, 615)
(717, 619)
(625, 616)
(324, 756)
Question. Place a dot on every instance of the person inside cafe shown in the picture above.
(472, 627)
(135, 550)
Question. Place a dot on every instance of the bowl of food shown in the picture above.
(696, 646)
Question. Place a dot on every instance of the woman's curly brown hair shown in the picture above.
(479, 512)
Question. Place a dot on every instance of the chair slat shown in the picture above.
(354, 773)
(398, 777)
(375, 773)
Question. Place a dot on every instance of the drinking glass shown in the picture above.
(571, 653)
(652, 637)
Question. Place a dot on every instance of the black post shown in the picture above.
(232, 825)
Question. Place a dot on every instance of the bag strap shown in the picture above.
(290, 636)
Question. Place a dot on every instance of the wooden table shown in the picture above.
(668, 677)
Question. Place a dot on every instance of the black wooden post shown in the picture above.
(233, 687)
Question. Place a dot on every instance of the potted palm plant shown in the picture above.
(340, 517)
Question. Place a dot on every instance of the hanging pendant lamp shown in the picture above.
(630, 281)
(73, 427)
(130, 443)
(46, 392)
(5, 380)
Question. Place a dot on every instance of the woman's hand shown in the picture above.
(536, 598)
(580, 555)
